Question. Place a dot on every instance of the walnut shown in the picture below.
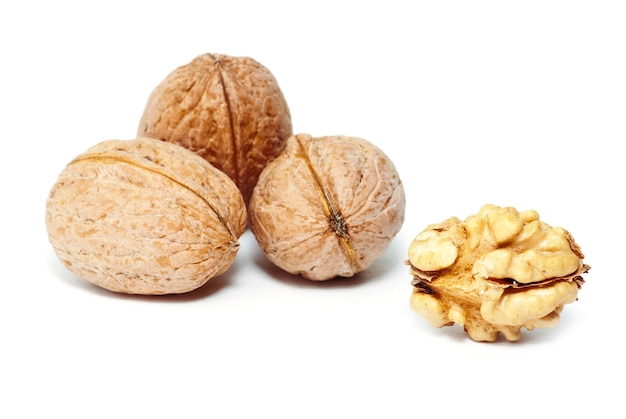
(497, 271)
(144, 217)
(327, 206)
(229, 110)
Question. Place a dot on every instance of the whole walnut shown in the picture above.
(228, 110)
(144, 216)
(496, 272)
(327, 206)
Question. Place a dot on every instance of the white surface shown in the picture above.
(513, 103)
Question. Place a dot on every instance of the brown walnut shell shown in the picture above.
(229, 110)
(144, 217)
(327, 206)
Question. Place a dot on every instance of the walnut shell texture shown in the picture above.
(229, 110)
(144, 216)
(327, 206)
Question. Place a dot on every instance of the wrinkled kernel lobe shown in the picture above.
(496, 272)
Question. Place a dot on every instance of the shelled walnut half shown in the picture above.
(498, 271)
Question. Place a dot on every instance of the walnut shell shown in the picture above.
(144, 217)
(496, 272)
(327, 206)
(229, 110)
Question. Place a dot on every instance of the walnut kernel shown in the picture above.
(327, 206)
(144, 217)
(229, 110)
(497, 271)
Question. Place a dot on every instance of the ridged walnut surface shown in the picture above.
(144, 217)
(327, 206)
(498, 271)
(229, 110)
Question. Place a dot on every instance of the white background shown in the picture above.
(512, 103)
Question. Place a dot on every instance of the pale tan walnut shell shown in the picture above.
(229, 110)
(144, 216)
(498, 271)
(327, 206)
